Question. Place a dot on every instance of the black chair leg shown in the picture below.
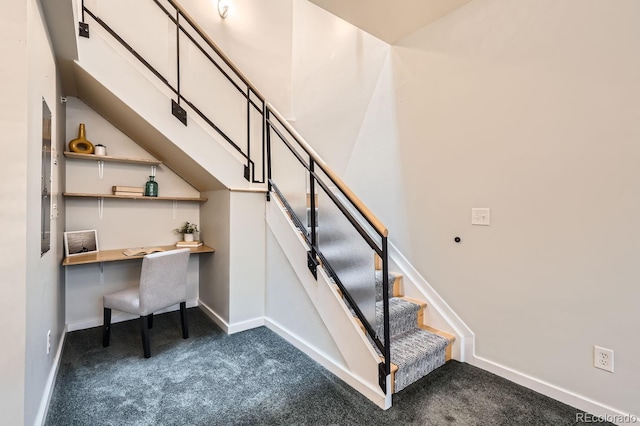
(106, 327)
(144, 325)
(183, 318)
(150, 321)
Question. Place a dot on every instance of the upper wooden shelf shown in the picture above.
(93, 157)
(134, 197)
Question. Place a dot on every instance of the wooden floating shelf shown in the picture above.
(134, 197)
(93, 157)
(117, 255)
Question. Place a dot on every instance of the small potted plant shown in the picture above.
(187, 230)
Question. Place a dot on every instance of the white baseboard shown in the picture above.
(214, 317)
(121, 316)
(51, 382)
(563, 395)
(246, 325)
(338, 370)
(230, 328)
(467, 350)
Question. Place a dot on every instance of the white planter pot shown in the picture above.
(187, 237)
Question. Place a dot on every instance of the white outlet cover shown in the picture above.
(603, 358)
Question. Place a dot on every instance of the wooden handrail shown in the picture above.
(353, 198)
(202, 33)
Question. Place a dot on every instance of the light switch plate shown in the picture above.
(481, 216)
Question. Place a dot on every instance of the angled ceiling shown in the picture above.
(390, 20)
(62, 30)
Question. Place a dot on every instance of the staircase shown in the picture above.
(346, 245)
(416, 349)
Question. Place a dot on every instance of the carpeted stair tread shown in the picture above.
(392, 278)
(416, 353)
(402, 317)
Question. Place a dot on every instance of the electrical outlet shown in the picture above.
(603, 358)
(48, 342)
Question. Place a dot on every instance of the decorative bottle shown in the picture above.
(81, 144)
(151, 187)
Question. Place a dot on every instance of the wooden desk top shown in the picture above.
(117, 255)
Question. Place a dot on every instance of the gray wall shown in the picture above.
(31, 297)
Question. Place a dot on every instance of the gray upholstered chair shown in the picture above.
(163, 282)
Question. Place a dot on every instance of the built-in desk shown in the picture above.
(117, 255)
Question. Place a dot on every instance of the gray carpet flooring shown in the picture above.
(257, 378)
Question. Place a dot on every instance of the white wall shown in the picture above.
(215, 272)
(232, 286)
(257, 38)
(529, 108)
(300, 319)
(335, 71)
(376, 168)
(247, 267)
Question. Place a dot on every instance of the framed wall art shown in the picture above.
(80, 242)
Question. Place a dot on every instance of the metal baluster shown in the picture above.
(247, 168)
(312, 255)
(385, 305)
(268, 139)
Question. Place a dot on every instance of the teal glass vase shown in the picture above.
(151, 187)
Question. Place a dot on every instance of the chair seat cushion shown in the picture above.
(127, 300)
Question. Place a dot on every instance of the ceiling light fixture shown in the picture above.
(223, 8)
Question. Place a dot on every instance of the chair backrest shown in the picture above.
(163, 280)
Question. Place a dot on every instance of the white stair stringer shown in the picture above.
(362, 360)
(102, 67)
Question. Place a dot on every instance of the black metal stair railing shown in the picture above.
(187, 27)
(318, 177)
(321, 178)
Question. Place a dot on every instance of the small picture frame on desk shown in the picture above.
(80, 242)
